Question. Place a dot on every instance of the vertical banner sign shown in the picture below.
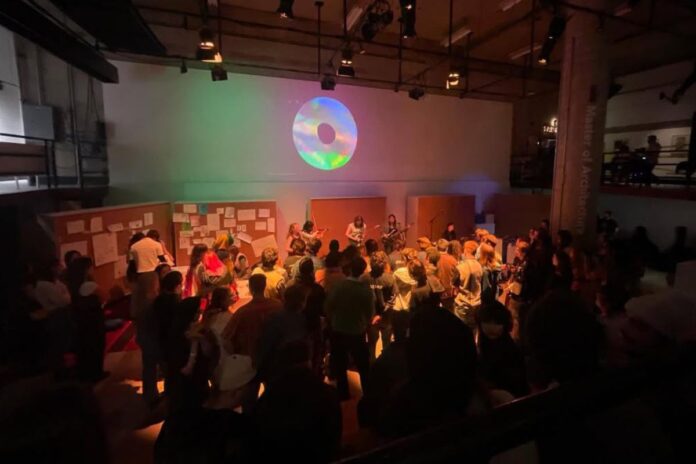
(582, 113)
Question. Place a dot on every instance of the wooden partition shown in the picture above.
(103, 235)
(429, 215)
(516, 213)
(252, 223)
(336, 213)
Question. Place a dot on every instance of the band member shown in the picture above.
(391, 233)
(293, 232)
(450, 234)
(310, 231)
(356, 232)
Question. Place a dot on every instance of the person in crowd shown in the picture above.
(514, 276)
(296, 253)
(539, 267)
(611, 303)
(652, 157)
(480, 234)
(545, 225)
(333, 273)
(424, 244)
(387, 372)
(563, 338)
(284, 340)
(294, 233)
(446, 273)
(371, 246)
(161, 270)
(313, 247)
(621, 163)
(403, 291)
(68, 258)
(431, 261)
(381, 282)
(310, 231)
(643, 247)
(449, 233)
(242, 268)
(607, 224)
(192, 282)
(334, 247)
(396, 257)
(468, 299)
(491, 271)
(276, 277)
(131, 269)
(53, 297)
(428, 290)
(347, 257)
(350, 310)
(678, 252)
(242, 333)
(562, 271)
(163, 311)
(313, 311)
(441, 356)
(223, 249)
(501, 363)
(90, 337)
(297, 419)
(212, 273)
(564, 243)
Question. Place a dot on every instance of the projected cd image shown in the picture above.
(325, 133)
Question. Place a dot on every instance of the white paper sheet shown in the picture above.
(186, 233)
(120, 267)
(118, 227)
(75, 227)
(264, 213)
(96, 224)
(260, 244)
(184, 242)
(220, 210)
(271, 225)
(180, 217)
(244, 237)
(148, 219)
(241, 228)
(229, 223)
(192, 209)
(246, 215)
(80, 246)
(213, 221)
(105, 247)
(260, 225)
(194, 220)
(229, 212)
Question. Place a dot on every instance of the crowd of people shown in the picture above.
(438, 332)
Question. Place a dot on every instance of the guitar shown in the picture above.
(394, 235)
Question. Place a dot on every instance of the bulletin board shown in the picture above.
(252, 223)
(434, 212)
(103, 235)
(335, 214)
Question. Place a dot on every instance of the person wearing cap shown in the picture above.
(446, 273)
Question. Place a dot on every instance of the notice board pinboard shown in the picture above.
(103, 235)
(252, 223)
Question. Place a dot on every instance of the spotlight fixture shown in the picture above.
(452, 79)
(416, 93)
(206, 46)
(328, 82)
(285, 9)
(183, 69)
(556, 29)
(346, 69)
(378, 16)
(218, 73)
(408, 18)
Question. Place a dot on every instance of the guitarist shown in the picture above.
(392, 234)
(356, 232)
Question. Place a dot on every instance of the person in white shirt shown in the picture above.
(146, 255)
(355, 233)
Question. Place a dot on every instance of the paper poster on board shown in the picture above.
(260, 225)
(264, 213)
(246, 215)
(180, 217)
(96, 224)
(271, 225)
(213, 221)
(105, 247)
(260, 244)
(227, 223)
(75, 227)
(148, 219)
(244, 237)
(229, 212)
(118, 227)
(191, 209)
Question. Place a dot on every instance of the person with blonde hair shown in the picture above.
(294, 233)
(491, 270)
(276, 277)
(222, 247)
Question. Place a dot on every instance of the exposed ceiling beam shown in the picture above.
(35, 27)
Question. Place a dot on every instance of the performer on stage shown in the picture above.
(450, 234)
(391, 233)
(293, 232)
(356, 232)
(309, 231)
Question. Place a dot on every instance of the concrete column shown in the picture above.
(581, 116)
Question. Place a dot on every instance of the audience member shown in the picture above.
(297, 252)
(276, 277)
(468, 297)
(382, 284)
(313, 311)
(446, 273)
(428, 291)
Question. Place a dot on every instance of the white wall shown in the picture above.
(10, 96)
(184, 137)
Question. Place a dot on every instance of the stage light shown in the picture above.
(218, 73)
(328, 82)
(452, 79)
(206, 46)
(416, 93)
(556, 29)
(408, 18)
(183, 69)
(285, 9)
(408, 4)
(346, 69)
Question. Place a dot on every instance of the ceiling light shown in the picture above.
(519, 53)
(328, 82)
(183, 69)
(543, 60)
(285, 9)
(452, 79)
(206, 55)
(408, 4)
(408, 18)
(507, 4)
(416, 93)
(218, 73)
(556, 29)
(206, 46)
(346, 69)
(458, 35)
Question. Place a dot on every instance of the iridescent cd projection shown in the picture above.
(325, 133)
